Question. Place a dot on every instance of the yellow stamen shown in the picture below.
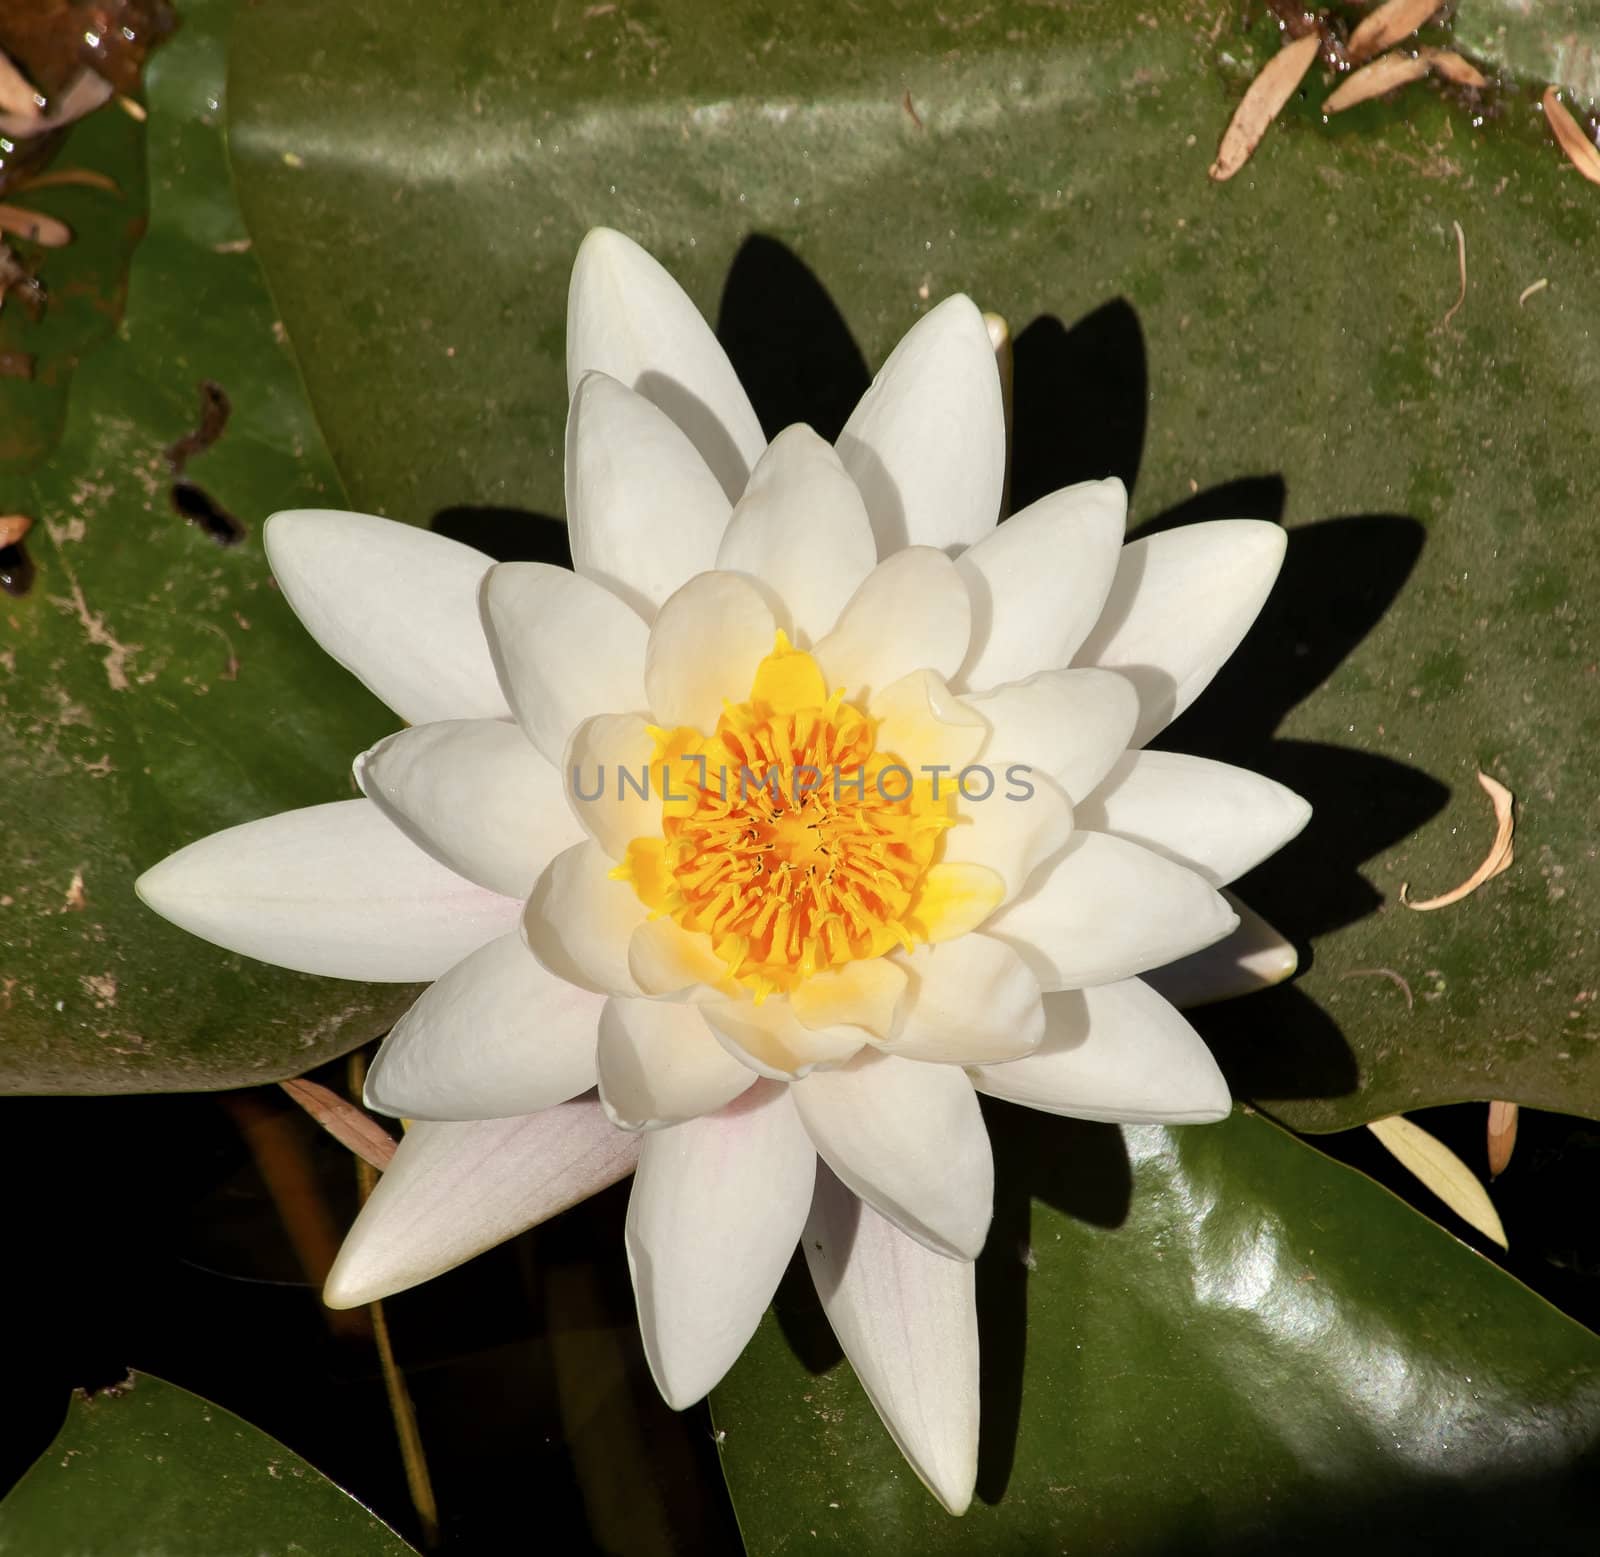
(787, 837)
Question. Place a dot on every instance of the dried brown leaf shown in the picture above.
(12, 528)
(1496, 860)
(1382, 75)
(1392, 21)
(346, 1123)
(1450, 65)
(1581, 152)
(1502, 1136)
(35, 226)
(17, 94)
(1262, 103)
(1436, 1166)
(86, 93)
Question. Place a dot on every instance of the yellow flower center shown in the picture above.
(787, 837)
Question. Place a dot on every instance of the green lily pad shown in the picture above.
(153, 685)
(1284, 345)
(149, 1467)
(1202, 1339)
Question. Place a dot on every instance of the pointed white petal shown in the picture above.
(1253, 958)
(704, 648)
(971, 1001)
(909, 1139)
(771, 1041)
(927, 443)
(911, 613)
(922, 722)
(1071, 725)
(454, 1190)
(609, 781)
(579, 921)
(802, 530)
(628, 318)
(907, 1319)
(1013, 836)
(1179, 605)
(1218, 820)
(335, 889)
(497, 1035)
(716, 1211)
(643, 511)
(564, 647)
(660, 1064)
(1039, 580)
(476, 796)
(395, 605)
(1117, 1052)
(1106, 910)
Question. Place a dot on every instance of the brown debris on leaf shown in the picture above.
(1382, 75)
(1456, 70)
(1262, 103)
(1496, 860)
(1581, 152)
(1502, 1136)
(1392, 21)
(35, 226)
(346, 1123)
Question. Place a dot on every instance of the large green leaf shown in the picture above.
(149, 1468)
(417, 178)
(153, 685)
(1197, 1340)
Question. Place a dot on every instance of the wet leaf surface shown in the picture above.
(417, 182)
(148, 1467)
(1210, 1339)
(153, 685)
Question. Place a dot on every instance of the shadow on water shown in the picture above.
(1080, 408)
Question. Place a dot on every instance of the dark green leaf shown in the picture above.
(1209, 1339)
(153, 685)
(148, 1468)
(418, 177)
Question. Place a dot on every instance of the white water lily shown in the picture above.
(775, 1000)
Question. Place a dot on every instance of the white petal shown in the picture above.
(801, 529)
(1253, 958)
(476, 796)
(909, 1139)
(1106, 910)
(643, 511)
(971, 1001)
(1039, 580)
(335, 889)
(610, 783)
(1179, 605)
(1012, 831)
(910, 613)
(770, 1040)
(666, 959)
(660, 1064)
(864, 994)
(921, 721)
(716, 1211)
(564, 647)
(628, 318)
(927, 443)
(907, 1319)
(1218, 820)
(1117, 1052)
(1072, 725)
(579, 921)
(497, 1035)
(704, 649)
(454, 1190)
(395, 605)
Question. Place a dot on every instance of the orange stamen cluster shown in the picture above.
(783, 837)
